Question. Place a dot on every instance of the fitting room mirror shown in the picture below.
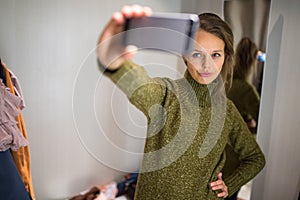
(248, 18)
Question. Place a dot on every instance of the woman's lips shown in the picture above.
(205, 74)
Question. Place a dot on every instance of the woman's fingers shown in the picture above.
(127, 11)
(220, 185)
(110, 50)
(223, 194)
(118, 18)
(220, 176)
(147, 11)
(117, 22)
(135, 11)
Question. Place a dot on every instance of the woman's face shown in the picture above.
(205, 62)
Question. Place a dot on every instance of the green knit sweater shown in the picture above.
(187, 134)
(245, 97)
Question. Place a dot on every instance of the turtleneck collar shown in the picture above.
(202, 91)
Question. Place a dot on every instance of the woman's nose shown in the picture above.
(207, 62)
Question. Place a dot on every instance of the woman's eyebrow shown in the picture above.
(204, 50)
(200, 51)
(218, 50)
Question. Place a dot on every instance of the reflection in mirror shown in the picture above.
(249, 22)
(249, 19)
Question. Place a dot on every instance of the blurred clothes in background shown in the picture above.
(15, 176)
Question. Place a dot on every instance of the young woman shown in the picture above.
(242, 92)
(190, 120)
(244, 95)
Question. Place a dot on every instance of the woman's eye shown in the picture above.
(196, 55)
(216, 55)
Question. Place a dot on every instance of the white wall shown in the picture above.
(200, 6)
(278, 131)
(50, 45)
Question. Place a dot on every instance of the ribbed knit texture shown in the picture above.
(187, 134)
(245, 97)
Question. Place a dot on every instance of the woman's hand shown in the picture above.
(220, 185)
(110, 51)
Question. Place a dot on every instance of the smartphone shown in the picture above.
(170, 32)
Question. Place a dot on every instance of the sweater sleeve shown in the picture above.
(142, 90)
(253, 102)
(251, 157)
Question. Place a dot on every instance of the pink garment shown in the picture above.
(10, 135)
(17, 88)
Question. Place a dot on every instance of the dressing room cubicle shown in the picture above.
(81, 129)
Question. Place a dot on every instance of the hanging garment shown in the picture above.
(10, 135)
(11, 185)
(22, 156)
